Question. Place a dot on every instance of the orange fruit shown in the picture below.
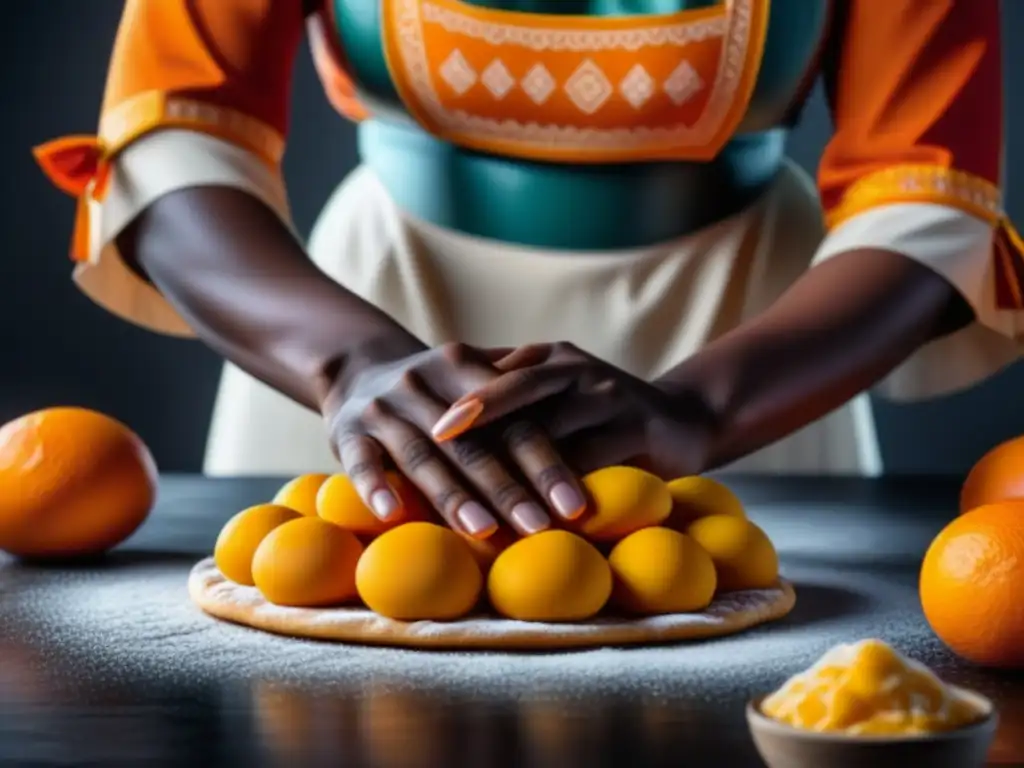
(241, 536)
(307, 563)
(73, 482)
(998, 476)
(971, 580)
(337, 502)
(300, 493)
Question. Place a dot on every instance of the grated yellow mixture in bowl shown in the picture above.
(869, 689)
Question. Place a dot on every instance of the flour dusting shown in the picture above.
(137, 618)
(729, 613)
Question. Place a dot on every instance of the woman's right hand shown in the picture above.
(383, 413)
(211, 250)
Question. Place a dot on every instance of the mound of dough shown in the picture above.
(419, 571)
(550, 576)
(729, 614)
(419, 583)
(658, 570)
(307, 562)
(622, 500)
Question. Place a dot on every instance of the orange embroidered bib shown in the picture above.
(577, 88)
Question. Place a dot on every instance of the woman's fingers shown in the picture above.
(496, 355)
(572, 413)
(475, 460)
(420, 460)
(540, 463)
(506, 359)
(506, 495)
(509, 392)
(529, 376)
(362, 460)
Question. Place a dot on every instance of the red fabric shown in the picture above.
(914, 82)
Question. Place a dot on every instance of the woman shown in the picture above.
(573, 240)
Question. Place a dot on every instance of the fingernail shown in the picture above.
(530, 518)
(477, 521)
(567, 501)
(457, 420)
(384, 504)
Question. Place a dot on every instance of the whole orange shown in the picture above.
(998, 476)
(971, 581)
(73, 482)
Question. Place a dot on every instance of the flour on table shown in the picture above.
(207, 581)
(134, 617)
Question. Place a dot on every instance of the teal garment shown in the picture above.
(578, 207)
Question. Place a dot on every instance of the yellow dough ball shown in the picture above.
(550, 576)
(419, 571)
(744, 556)
(300, 493)
(658, 570)
(337, 502)
(241, 536)
(307, 563)
(622, 500)
(696, 497)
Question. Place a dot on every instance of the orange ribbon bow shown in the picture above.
(79, 166)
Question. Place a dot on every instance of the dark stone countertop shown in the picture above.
(110, 664)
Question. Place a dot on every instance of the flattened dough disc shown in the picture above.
(727, 615)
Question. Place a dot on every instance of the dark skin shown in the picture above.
(244, 284)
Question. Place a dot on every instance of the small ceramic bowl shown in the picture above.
(783, 746)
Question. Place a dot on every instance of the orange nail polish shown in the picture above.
(457, 420)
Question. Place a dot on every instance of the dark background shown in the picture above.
(57, 348)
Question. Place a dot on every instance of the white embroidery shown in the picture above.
(458, 73)
(683, 84)
(497, 79)
(538, 84)
(637, 86)
(588, 87)
(926, 180)
(549, 39)
(705, 134)
(119, 122)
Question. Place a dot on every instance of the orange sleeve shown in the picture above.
(916, 94)
(222, 67)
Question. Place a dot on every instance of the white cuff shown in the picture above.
(957, 246)
(154, 166)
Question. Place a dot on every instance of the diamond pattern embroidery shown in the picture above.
(497, 79)
(538, 84)
(683, 84)
(588, 87)
(458, 73)
(637, 86)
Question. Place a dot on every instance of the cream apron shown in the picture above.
(643, 310)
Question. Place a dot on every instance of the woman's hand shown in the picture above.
(597, 414)
(384, 412)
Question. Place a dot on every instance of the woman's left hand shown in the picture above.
(598, 414)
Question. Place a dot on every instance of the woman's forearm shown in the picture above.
(241, 281)
(840, 329)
